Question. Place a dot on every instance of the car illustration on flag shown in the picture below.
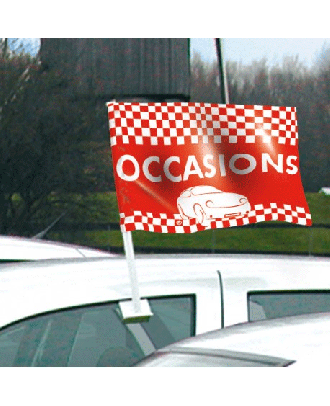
(206, 203)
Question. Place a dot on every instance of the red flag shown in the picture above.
(187, 167)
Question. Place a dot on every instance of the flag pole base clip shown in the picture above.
(132, 315)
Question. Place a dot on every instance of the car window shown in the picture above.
(95, 335)
(272, 304)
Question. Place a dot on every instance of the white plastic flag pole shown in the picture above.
(135, 310)
(129, 251)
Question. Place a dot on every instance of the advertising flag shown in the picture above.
(187, 167)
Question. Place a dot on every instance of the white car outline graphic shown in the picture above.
(206, 203)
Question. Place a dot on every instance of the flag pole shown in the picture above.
(224, 94)
(137, 309)
(222, 72)
(129, 252)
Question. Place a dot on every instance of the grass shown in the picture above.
(294, 240)
(270, 240)
(319, 206)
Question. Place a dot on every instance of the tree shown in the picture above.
(204, 81)
(46, 143)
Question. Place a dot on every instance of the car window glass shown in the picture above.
(171, 321)
(95, 335)
(272, 304)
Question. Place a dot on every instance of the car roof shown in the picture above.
(14, 248)
(294, 338)
(29, 288)
(32, 287)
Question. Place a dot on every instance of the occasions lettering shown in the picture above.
(128, 167)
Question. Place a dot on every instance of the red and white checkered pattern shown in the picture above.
(145, 129)
(175, 224)
(172, 123)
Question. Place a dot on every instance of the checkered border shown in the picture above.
(172, 123)
(175, 224)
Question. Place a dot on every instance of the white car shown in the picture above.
(295, 341)
(205, 203)
(68, 312)
(29, 249)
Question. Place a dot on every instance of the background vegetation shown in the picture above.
(55, 158)
(101, 230)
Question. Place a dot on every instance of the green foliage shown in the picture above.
(319, 206)
(94, 208)
(295, 240)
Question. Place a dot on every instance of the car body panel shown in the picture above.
(298, 340)
(30, 288)
(30, 249)
(256, 273)
(39, 297)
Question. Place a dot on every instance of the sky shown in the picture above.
(247, 50)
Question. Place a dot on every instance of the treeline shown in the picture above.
(53, 152)
(288, 84)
